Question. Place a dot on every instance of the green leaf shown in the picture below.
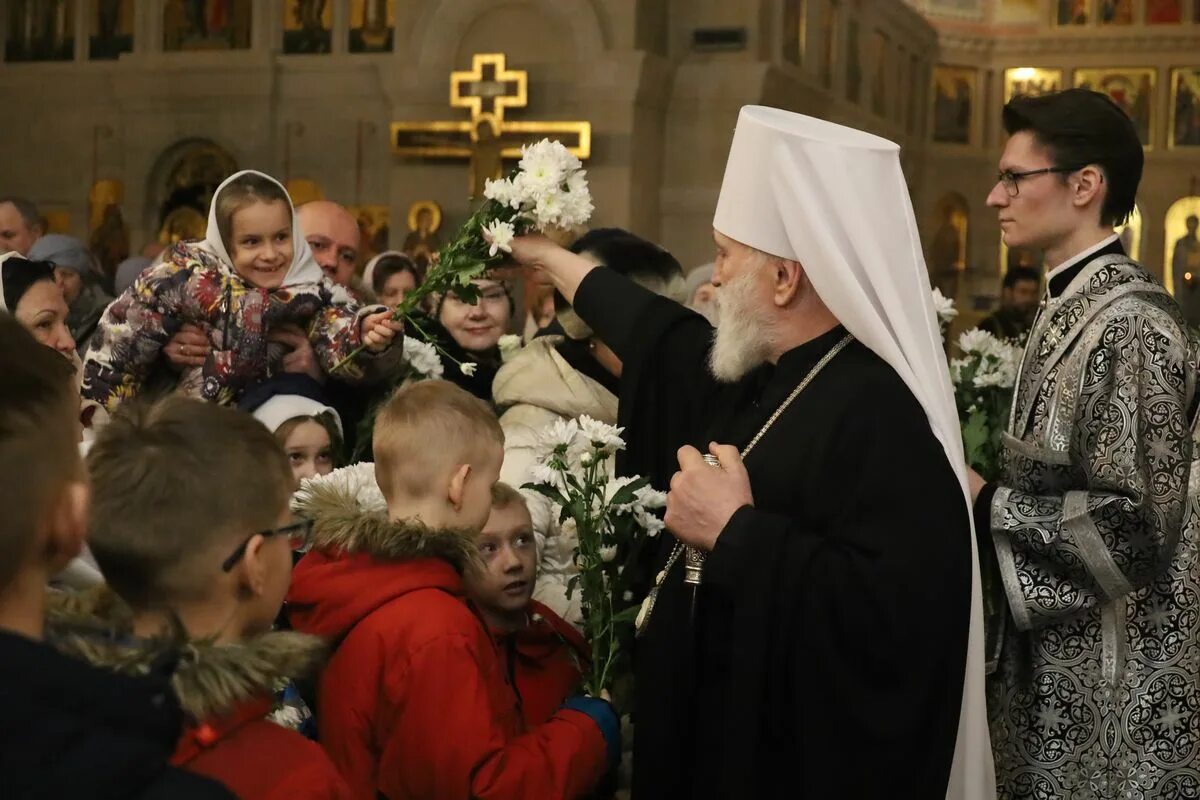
(628, 616)
(625, 494)
(546, 490)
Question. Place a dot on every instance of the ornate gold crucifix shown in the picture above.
(487, 138)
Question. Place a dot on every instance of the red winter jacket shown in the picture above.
(257, 759)
(414, 702)
(544, 660)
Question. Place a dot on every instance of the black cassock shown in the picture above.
(829, 645)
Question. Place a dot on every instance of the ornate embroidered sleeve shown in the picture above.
(1061, 554)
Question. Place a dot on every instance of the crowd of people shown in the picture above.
(193, 603)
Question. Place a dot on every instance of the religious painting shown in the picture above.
(374, 225)
(307, 26)
(1185, 107)
(879, 57)
(191, 174)
(1164, 12)
(422, 241)
(853, 65)
(793, 31)
(948, 245)
(303, 190)
(108, 236)
(190, 25)
(57, 220)
(1031, 82)
(1072, 12)
(40, 30)
(1019, 12)
(829, 27)
(111, 32)
(1181, 254)
(1130, 234)
(372, 23)
(953, 103)
(1131, 89)
(1116, 12)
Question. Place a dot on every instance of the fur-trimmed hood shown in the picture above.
(342, 525)
(208, 678)
(361, 560)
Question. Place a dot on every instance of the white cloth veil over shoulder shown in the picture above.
(834, 199)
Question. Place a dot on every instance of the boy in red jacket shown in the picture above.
(543, 655)
(190, 526)
(414, 702)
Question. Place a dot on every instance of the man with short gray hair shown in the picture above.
(20, 225)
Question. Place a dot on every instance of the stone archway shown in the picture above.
(181, 185)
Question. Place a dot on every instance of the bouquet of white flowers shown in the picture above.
(983, 379)
(608, 514)
(548, 191)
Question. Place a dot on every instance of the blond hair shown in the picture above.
(241, 192)
(39, 431)
(505, 496)
(173, 483)
(426, 429)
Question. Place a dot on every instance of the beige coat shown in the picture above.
(532, 390)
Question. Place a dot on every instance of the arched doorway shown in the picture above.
(948, 245)
(182, 184)
(1181, 270)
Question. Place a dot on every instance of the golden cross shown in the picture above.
(487, 138)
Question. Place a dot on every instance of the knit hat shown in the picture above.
(63, 251)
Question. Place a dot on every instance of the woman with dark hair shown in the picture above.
(392, 275)
(564, 377)
(31, 295)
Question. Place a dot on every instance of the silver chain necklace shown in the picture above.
(695, 556)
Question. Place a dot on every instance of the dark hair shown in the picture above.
(39, 451)
(630, 255)
(1017, 274)
(392, 265)
(241, 192)
(1081, 127)
(18, 274)
(28, 211)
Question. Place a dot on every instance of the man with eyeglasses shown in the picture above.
(1091, 549)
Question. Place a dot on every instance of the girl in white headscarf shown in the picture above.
(252, 274)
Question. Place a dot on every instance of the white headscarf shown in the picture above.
(835, 200)
(304, 268)
(368, 276)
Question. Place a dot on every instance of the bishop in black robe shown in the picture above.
(825, 654)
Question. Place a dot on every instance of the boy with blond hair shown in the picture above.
(69, 730)
(414, 702)
(543, 654)
(191, 527)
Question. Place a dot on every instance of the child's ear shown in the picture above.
(458, 486)
(254, 565)
(66, 526)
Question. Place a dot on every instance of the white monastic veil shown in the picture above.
(835, 199)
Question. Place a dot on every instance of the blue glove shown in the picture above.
(605, 717)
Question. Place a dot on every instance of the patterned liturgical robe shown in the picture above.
(1097, 688)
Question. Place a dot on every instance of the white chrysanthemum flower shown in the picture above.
(547, 211)
(468, 368)
(509, 344)
(559, 434)
(540, 473)
(501, 235)
(502, 191)
(648, 522)
(944, 306)
(977, 341)
(602, 436)
(649, 497)
(422, 358)
(611, 488)
(608, 554)
(357, 480)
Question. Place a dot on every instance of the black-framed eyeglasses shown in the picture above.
(299, 536)
(1011, 180)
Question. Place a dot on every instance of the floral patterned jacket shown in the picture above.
(193, 286)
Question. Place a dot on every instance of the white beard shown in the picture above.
(744, 337)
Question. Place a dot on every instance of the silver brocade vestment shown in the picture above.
(1097, 689)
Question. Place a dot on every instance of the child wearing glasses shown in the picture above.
(191, 527)
(542, 653)
(415, 703)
